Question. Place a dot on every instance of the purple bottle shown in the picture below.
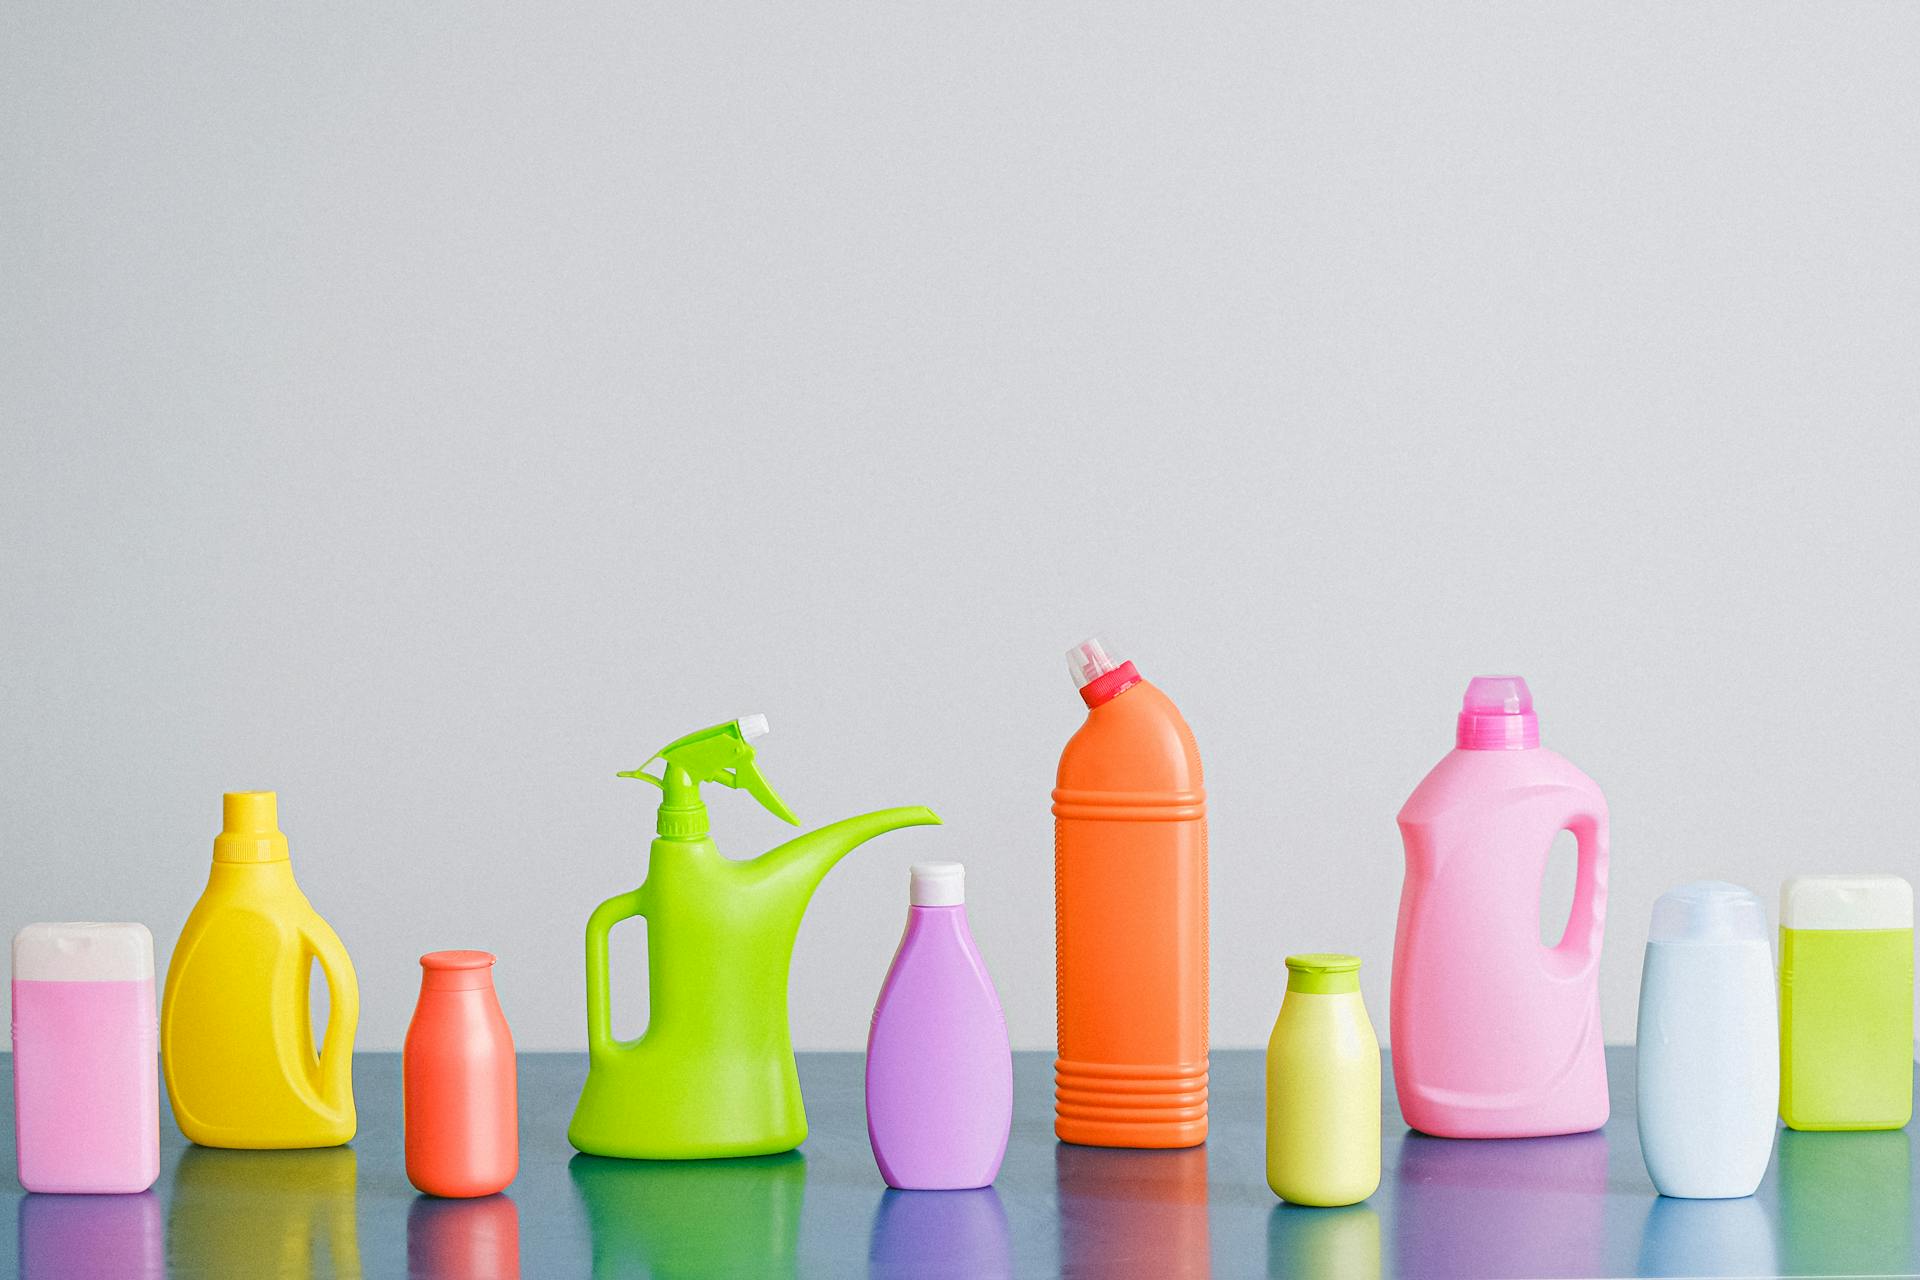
(939, 1072)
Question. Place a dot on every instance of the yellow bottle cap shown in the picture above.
(250, 829)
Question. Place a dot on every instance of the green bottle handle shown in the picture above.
(624, 906)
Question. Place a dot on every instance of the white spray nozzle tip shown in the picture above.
(754, 726)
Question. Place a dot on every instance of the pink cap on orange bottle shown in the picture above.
(1497, 715)
(1098, 677)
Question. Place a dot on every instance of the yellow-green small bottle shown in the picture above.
(1323, 1087)
(1846, 1002)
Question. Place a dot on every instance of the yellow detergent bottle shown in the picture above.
(236, 1039)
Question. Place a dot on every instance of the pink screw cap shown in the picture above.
(1497, 715)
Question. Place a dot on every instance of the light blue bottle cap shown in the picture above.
(1709, 911)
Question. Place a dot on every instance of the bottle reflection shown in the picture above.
(664, 1218)
(470, 1239)
(284, 1215)
(1344, 1242)
(940, 1233)
(1846, 1203)
(1501, 1206)
(1706, 1238)
(1132, 1213)
(91, 1238)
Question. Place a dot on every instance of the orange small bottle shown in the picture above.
(462, 1104)
(1130, 917)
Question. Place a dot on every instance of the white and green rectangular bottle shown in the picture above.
(1846, 1002)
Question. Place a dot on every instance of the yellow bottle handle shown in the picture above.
(343, 1015)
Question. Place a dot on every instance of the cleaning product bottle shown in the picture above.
(236, 1037)
(86, 1095)
(1323, 1087)
(1130, 917)
(1709, 1043)
(1496, 1035)
(713, 1075)
(461, 1091)
(1846, 1002)
(939, 1072)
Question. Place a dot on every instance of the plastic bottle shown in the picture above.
(1130, 917)
(1846, 1002)
(462, 1107)
(1709, 1043)
(1323, 1087)
(713, 1075)
(236, 1035)
(1494, 1034)
(939, 1071)
(86, 1097)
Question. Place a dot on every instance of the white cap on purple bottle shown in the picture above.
(938, 884)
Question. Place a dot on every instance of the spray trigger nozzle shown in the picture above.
(721, 754)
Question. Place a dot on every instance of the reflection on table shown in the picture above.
(473, 1239)
(264, 1215)
(91, 1238)
(1303, 1241)
(669, 1218)
(1846, 1203)
(1707, 1238)
(1132, 1213)
(1501, 1207)
(962, 1234)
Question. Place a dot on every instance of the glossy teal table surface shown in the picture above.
(1832, 1204)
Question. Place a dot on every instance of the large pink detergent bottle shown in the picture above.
(1496, 1035)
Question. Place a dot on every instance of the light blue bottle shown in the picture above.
(1709, 1043)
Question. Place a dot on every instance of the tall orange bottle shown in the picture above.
(1130, 917)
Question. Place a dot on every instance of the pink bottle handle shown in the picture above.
(343, 1014)
(1586, 920)
(625, 906)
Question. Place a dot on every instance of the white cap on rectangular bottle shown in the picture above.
(938, 884)
(82, 951)
(1846, 902)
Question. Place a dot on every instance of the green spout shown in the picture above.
(798, 866)
(713, 1074)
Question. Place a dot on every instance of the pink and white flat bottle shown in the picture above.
(939, 1071)
(1496, 1035)
(86, 1079)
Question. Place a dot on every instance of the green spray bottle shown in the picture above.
(713, 1074)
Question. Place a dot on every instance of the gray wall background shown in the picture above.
(428, 410)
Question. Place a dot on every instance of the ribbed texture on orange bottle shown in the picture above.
(1130, 919)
